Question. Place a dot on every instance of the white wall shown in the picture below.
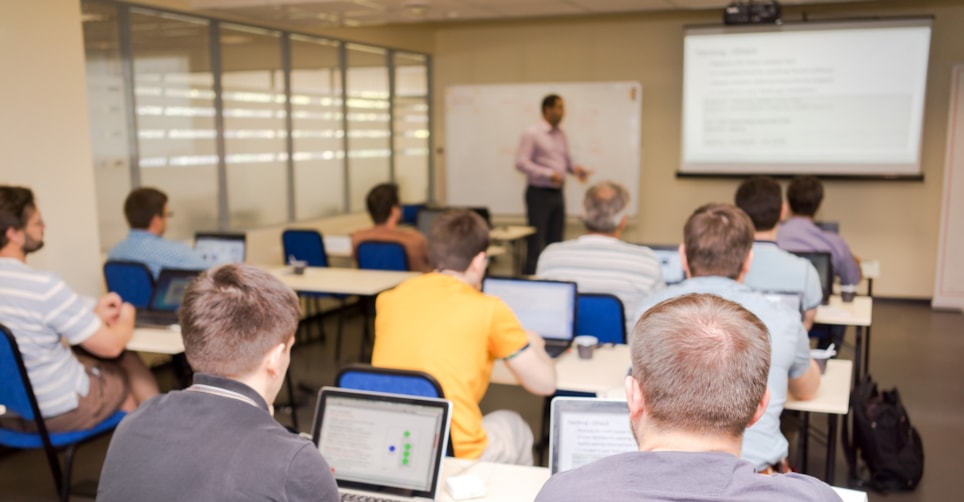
(44, 133)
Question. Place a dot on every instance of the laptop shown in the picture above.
(382, 446)
(586, 429)
(670, 262)
(218, 248)
(425, 217)
(166, 298)
(792, 299)
(545, 307)
(823, 262)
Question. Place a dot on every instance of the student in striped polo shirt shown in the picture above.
(88, 378)
(599, 262)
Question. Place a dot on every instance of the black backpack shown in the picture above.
(888, 443)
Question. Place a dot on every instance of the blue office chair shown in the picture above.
(381, 255)
(601, 315)
(410, 213)
(16, 393)
(393, 381)
(131, 280)
(308, 246)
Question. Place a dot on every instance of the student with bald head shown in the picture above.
(699, 379)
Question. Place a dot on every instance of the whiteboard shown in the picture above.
(484, 123)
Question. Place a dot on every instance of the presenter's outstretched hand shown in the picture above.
(582, 174)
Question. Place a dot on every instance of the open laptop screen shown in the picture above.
(547, 308)
(218, 249)
(170, 288)
(587, 429)
(382, 442)
(670, 262)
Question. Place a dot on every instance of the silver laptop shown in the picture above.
(670, 262)
(382, 446)
(586, 429)
(220, 248)
(547, 308)
(169, 289)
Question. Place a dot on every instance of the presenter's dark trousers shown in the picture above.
(546, 211)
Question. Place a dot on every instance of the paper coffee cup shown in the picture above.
(585, 344)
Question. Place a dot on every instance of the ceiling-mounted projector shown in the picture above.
(752, 12)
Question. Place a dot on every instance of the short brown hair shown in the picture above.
(142, 205)
(457, 236)
(702, 364)
(718, 238)
(761, 199)
(380, 201)
(804, 194)
(604, 205)
(16, 207)
(232, 315)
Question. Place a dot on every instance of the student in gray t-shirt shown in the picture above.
(689, 424)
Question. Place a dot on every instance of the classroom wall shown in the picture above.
(44, 133)
(894, 222)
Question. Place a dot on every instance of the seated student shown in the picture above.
(774, 269)
(601, 263)
(442, 324)
(800, 233)
(689, 424)
(716, 254)
(386, 211)
(74, 354)
(217, 440)
(147, 213)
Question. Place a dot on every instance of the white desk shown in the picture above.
(503, 482)
(605, 373)
(833, 398)
(513, 235)
(157, 340)
(859, 314)
(339, 246)
(516, 483)
(342, 281)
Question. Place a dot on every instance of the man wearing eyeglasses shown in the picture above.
(147, 213)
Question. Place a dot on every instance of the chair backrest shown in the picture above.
(381, 255)
(131, 280)
(304, 245)
(823, 262)
(15, 393)
(602, 316)
(395, 381)
(410, 213)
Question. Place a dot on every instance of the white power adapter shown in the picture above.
(466, 486)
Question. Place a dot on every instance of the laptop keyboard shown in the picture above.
(357, 497)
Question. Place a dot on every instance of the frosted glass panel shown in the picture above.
(411, 127)
(174, 92)
(316, 99)
(253, 93)
(107, 110)
(369, 148)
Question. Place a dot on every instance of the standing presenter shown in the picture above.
(544, 158)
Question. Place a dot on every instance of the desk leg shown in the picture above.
(866, 358)
(858, 353)
(831, 447)
(368, 309)
(804, 441)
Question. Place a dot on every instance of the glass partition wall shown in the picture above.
(245, 126)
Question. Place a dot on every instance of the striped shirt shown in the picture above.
(156, 252)
(43, 312)
(603, 264)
